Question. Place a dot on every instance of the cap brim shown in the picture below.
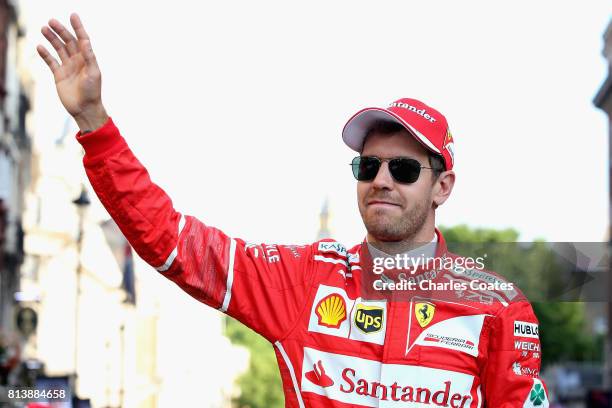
(357, 127)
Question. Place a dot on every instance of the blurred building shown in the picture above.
(70, 280)
(324, 218)
(14, 174)
(603, 100)
(98, 319)
(123, 334)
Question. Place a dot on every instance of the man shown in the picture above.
(340, 340)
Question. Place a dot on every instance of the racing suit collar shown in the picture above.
(437, 249)
(427, 250)
(363, 276)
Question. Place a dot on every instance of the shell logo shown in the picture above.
(331, 311)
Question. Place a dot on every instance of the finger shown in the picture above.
(71, 43)
(87, 52)
(83, 39)
(78, 26)
(48, 58)
(57, 44)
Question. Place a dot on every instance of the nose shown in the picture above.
(383, 179)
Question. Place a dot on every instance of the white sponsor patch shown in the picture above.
(457, 333)
(358, 323)
(359, 381)
(526, 329)
(334, 313)
(451, 151)
(334, 247)
(536, 397)
(330, 312)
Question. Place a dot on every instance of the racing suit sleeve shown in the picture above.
(263, 286)
(512, 369)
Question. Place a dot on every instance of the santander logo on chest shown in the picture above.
(354, 380)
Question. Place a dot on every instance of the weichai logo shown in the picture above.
(331, 311)
(441, 396)
(369, 319)
(526, 346)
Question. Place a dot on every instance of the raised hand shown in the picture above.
(78, 79)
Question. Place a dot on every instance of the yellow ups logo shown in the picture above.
(369, 319)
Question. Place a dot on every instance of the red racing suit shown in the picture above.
(334, 348)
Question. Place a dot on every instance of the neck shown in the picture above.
(424, 236)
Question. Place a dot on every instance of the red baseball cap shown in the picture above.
(425, 123)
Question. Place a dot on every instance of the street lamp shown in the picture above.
(82, 203)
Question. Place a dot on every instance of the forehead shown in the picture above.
(395, 144)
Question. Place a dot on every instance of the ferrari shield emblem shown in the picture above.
(424, 312)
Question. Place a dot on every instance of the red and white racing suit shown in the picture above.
(334, 348)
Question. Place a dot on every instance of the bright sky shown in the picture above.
(236, 107)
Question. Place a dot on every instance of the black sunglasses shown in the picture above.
(402, 169)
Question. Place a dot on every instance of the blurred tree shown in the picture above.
(535, 269)
(261, 385)
(564, 335)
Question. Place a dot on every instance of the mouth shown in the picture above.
(382, 204)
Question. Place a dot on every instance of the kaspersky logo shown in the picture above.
(331, 311)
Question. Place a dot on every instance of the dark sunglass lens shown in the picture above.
(355, 166)
(405, 170)
(365, 168)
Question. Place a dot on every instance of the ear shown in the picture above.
(443, 187)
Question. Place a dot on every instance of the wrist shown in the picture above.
(101, 143)
(91, 119)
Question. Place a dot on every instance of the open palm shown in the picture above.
(77, 78)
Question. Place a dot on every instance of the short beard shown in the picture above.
(403, 229)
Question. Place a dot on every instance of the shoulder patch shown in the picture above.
(481, 280)
(332, 247)
(490, 281)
